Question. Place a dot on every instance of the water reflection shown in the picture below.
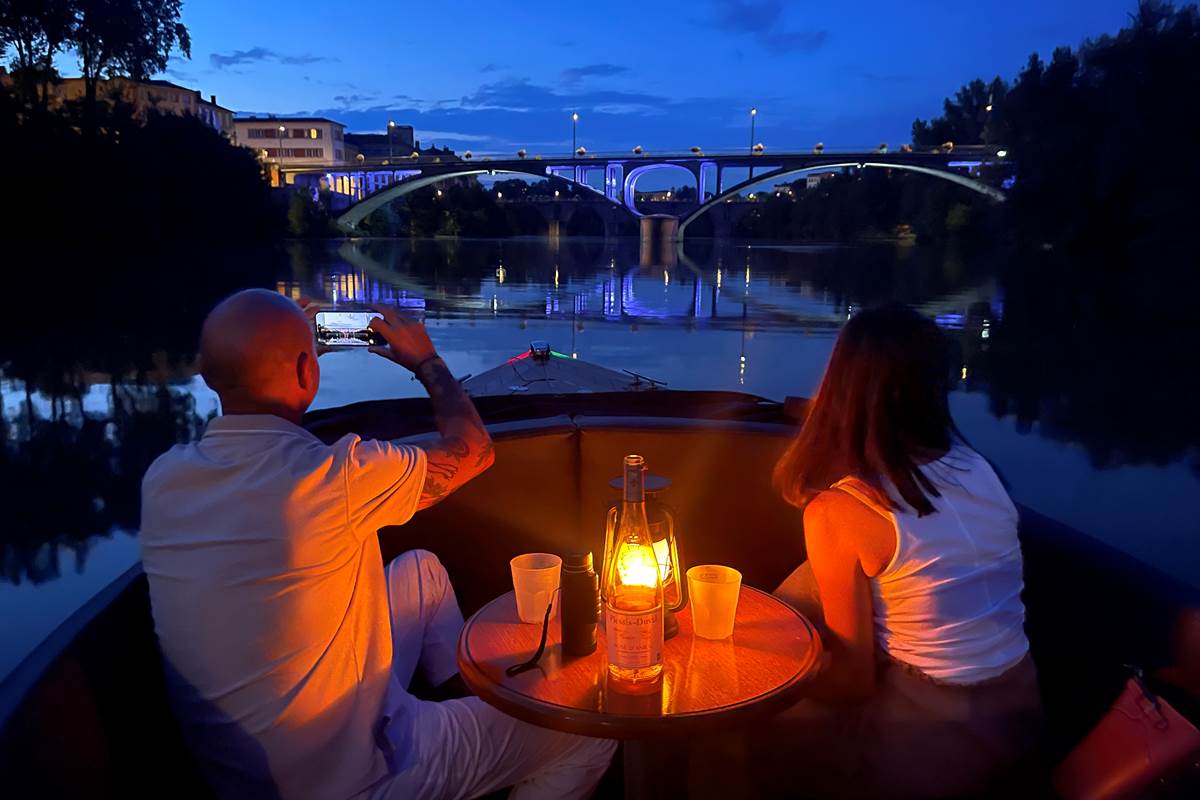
(88, 406)
(96, 380)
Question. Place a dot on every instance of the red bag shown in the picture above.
(1139, 741)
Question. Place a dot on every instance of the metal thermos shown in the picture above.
(580, 604)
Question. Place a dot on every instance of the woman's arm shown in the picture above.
(836, 527)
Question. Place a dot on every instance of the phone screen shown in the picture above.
(347, 328)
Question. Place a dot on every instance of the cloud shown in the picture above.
(501, 116)
(348, 100)
(259, 54)
(493, 67)
(763, 19)
(520, 95)
(427, 135)
(305, 58)
(573, 75)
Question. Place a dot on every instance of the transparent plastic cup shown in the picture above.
(713, 593)
(535, 583)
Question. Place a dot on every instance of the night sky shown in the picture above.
(496, 76)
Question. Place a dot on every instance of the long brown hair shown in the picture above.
(881, 411)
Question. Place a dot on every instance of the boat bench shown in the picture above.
(90, 717)
(1091, 609)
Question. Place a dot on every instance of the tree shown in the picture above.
(36, 30)
(134, 37)
(966, 117)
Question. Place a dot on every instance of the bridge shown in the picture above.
(718, 178)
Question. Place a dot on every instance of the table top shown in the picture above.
(705, 686)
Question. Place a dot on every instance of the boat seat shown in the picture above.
(95, 721)
(1082, 629)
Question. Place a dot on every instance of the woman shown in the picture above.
(914, 574)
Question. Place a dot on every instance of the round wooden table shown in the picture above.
(706, 686)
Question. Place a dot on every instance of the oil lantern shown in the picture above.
(661, 519)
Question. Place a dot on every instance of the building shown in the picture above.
(399, 143)
(814, 180)
(294, 142)
(144, 97)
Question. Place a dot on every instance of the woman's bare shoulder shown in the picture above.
(842, 521)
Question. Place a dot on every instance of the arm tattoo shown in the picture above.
(465, 448)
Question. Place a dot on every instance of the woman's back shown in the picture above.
(949, 602)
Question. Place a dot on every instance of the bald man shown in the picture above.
(288, 646)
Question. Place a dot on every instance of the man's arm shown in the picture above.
(465, 447)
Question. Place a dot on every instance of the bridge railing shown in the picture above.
(563, 159)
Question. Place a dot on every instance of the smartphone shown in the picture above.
(347, 328)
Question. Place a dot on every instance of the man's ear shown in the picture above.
(304, 370)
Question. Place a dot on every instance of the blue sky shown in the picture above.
(497, 76)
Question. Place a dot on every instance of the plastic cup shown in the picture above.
(535, 582)
(713, 593)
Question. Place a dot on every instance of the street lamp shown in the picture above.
(282, 130)
(391, 127)
(753, 117)
(574, 127)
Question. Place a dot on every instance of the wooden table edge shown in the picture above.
(568, 719)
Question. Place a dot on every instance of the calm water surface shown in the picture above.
(1043, 391)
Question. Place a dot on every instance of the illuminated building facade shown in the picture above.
(292, 142)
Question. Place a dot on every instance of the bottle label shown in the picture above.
(635, 638)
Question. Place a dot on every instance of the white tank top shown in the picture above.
(949, 602)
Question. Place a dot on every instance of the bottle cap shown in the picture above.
(579, 561)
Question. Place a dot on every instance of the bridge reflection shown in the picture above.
(613, 289)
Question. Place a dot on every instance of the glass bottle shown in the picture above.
(633, 596)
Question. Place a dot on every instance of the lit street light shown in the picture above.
(282, 130)
(753, 117)
(574, 128)
(391, 127)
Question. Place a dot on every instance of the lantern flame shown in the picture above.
(638, 565)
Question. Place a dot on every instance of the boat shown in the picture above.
(86, 714)
(540, 370)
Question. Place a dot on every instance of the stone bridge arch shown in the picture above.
(350, 219)
(776, 175)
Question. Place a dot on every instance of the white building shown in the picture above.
(294, 142)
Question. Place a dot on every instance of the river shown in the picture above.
(1091, 421)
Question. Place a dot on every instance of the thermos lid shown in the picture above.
(578, 561)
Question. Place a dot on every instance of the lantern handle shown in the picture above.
(680, 572)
